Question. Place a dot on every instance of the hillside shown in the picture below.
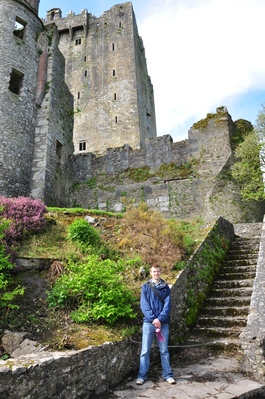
(139, 236)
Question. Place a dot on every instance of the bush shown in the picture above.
(26, 216)
(6, 295)
(93, 290)
(81, 231)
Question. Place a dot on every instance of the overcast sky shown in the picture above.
(201, 54)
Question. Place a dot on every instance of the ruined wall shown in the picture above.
(19, 28)
(103, 183)
(106, 73)
(54, 126)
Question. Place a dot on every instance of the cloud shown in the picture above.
(201, 54)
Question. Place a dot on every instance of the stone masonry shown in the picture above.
(77, 111)
(105, 71)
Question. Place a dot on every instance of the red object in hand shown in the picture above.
(159, 335)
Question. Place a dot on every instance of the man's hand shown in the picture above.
(157, 323)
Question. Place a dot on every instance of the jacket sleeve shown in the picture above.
(165, 312)
(145, 306)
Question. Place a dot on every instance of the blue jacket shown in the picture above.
(151, 305)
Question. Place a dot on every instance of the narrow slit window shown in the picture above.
(85, 58)
(77, 41)
(115, 96)
(120, 24)
(59, 153)
(78, 95)
(116, 119)
(20, 27)
(16, 81)
(82, 146)
(85, 74)
(113, 72)
(113, 47)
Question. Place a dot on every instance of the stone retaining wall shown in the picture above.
(253, 336)
(76, 374)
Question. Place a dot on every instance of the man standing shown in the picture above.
(155, 305)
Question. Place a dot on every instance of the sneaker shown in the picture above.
(139, 381)
(171, 380)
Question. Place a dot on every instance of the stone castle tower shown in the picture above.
(106, 73)
(75, 84)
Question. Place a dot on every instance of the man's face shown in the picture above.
(155, 273)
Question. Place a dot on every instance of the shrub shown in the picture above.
(93, 290)
(26, 216)
(81, 231)
(6, 295)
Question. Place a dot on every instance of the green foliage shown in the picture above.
(200, 279)
(80, 230)
(7, 294)
(94, 290)
(139, 174)
(186, 233)
(247, 169)
(243, 128)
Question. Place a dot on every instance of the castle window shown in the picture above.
(59, 153)
(20, 27)
(52, 16)
(113, 46)
(85, 58)
(116, 119)
(78, 41)
(82, 146)
(120, 25)
(115, 96)
(78, 95)
(113, 72)
(16, 80)
(85, 73)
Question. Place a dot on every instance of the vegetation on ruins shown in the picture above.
(250, 161)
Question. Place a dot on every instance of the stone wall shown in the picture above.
(208, 192)
(253, 336)
(54, 126)
(78, 374)
(18, 52)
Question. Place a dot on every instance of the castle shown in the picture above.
(77, 104)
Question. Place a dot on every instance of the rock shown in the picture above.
(91, 220)
(27, 347)
(11, 340)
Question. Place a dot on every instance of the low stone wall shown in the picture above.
(71, 374)
(78, 374)
(190, 278)
(253, 336)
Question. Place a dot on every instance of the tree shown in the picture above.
(250, 160)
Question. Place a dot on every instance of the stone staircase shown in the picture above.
(226, 309)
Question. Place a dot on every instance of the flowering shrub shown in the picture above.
(25, 215)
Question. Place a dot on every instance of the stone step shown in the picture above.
(237, 275)
(231, 292)
(240, 262)
(230, 311)
(219, 321)
(226, 284)
(215, 331)
(228, 301)
(239, 269)
(242, 255)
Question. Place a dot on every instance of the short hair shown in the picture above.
(155, 267)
